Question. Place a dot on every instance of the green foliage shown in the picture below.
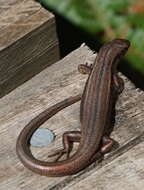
(116, 18)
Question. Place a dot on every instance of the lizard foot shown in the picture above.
(69, 138)
(59, 154)
(85, 68)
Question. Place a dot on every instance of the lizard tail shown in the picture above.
(61, 168)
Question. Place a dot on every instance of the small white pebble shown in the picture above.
(42, 137)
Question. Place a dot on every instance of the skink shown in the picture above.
(101, 90)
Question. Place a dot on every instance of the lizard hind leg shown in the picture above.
(69, 138)
(107, 144)
(105, 147)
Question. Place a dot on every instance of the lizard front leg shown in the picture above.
(85, 68)
(118, 83)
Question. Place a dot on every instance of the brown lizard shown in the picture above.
(101, 90)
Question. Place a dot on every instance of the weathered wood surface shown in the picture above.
(28, 42)
(123, 173)
(54, 84)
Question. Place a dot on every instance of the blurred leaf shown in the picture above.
(116, 18)
(77, 11)
(136, 20)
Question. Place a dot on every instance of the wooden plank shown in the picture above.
(18, 18)
(128, 132)
(52, 85)
(27, 33)
(26, 71)
(124, 173)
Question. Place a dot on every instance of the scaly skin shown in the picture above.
(99, 96)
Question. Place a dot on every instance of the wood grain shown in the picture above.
(18, 18)
(125, 172)
(27, 38)
(52, 85)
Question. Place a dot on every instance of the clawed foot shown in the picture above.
(59, 154)
(89, 65)
(85, 68)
